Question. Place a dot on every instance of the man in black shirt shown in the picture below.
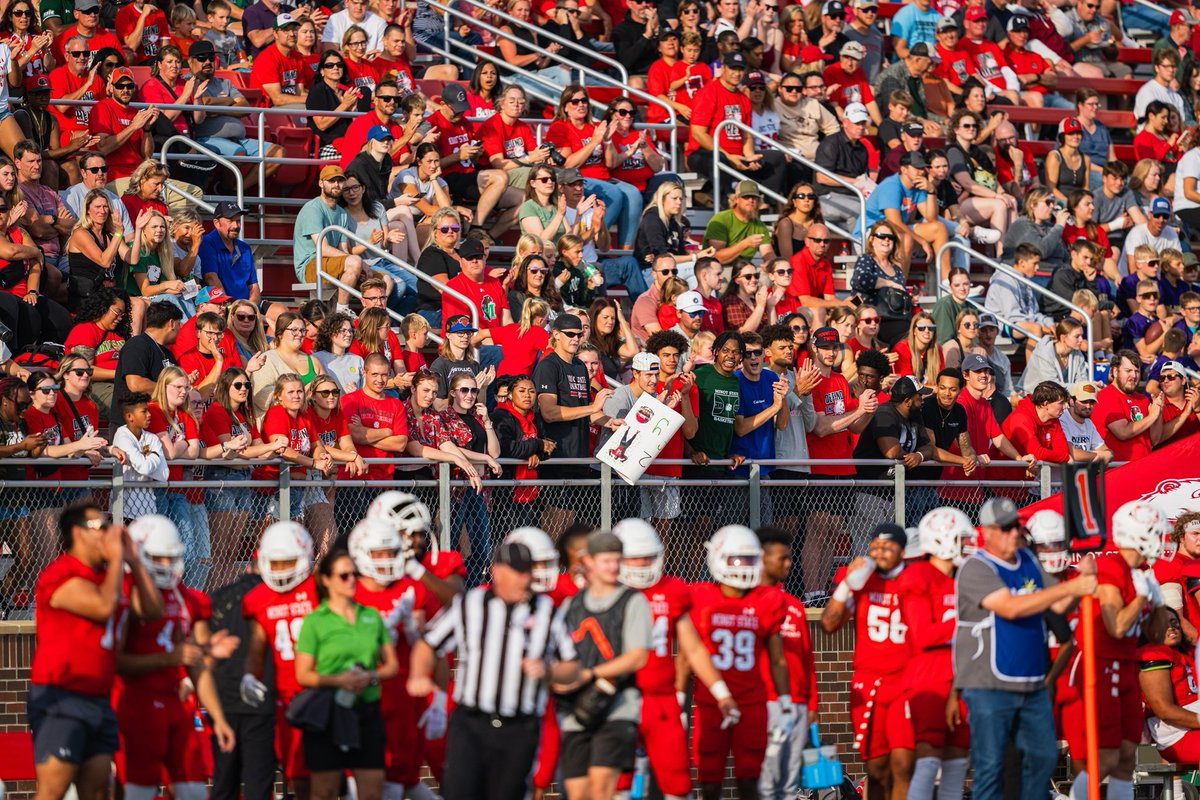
(636, 40)
(567, 407)
(1070, 278)
(946, 425)
(828, 35)
(845, 155)
(145, 355)
(897, 431)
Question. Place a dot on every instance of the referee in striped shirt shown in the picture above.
(510, 643)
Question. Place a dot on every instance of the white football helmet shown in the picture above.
(639, 540)
(1140, 526)
(1049, 536)
(735, 557)
(369, 542)
(157, 537)
(945, 533)
(285, 541)
(408, 515)
(545, 556)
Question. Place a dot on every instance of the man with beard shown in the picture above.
(897, 431)
(336, 259)
(1129, 421)
(1078, 426)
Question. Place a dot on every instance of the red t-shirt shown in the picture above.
(698, 76)
(674, 446)
(111, 117)
(735, 632)
(1025, 62)
(391, 348)
(1147, 144)
(833, 396)
(1071, 232)
(197, 366)
(669, 599)
(156, 27)
(97, 41)
(72, 651)
(511, 141)
(73, 118)
(811, 277)
(488, 297)
(454, 135)
(658, 83)
(187, 338)
(355, 137)
(46, 423)
(281, 615)
(1170, 412)
(955, 66)
(301, 435)
(853, 87)
(989, 60)
(405, 81)
(107, 344)
(481, 108)
(1112, 405)
(633, 170)
(386, 412)
(520, 351)
(185, 429)
(272, 66)
(364, 75)
(715, 104)
(216, 423)
(74, 425)
(565, 136)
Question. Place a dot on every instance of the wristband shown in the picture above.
(414, 569)
(719, 691)
(842, 592)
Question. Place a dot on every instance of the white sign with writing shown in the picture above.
(648, 427)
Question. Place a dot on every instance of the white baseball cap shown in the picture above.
(645, 362)
(689, 301)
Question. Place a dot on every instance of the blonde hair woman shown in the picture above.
(966, 338)
(919, 353)
(521, 341)
(664, 228)
(95, 246)
(249, 328)
(150, 271)
(287, 422)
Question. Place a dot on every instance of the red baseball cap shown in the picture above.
(37, 83)
(1179, 17)
(975, 13)
(811, 53)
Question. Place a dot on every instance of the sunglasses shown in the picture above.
(125, 86)
(201, 59)
(544, 179)
(668, 272)
(694, 313)
(77, 53)
(244, 317)
(239, 385)
(970, 325)
(784, 271)
(387, 98)
(449, 228)
(623, 112)
(22, 13)
(885, 237)
(344, 577)
(468, 390)
(1152, 295)
(815, 240)
(756, 353)
(577, 101)
(333, 65)
(751, 277)
(799, 328)
(790, 87)
(968, 126)
(89, 12)
(50, 388)
(871, 320)
(804, 196)
(1160, 216)
(926, 328)
(539, 270)
(79, 371)
(572, 334)
(1169, 376)
(328, 392)
(96, 170)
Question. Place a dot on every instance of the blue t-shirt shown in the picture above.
(892, 193)
(312, 218)
(756, 397)
(914, 25)
(235, 270)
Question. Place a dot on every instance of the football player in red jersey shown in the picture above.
(154, 657)
(867, 591)
(781, 768)
(1178, 572)
(376, 548)
(76, 599)
(275, 611)
(1126, 594)
(662, 728)
(929, 608)
(738, 620)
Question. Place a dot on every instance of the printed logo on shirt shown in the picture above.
(515, 148)
(835, 402)
(150, 40)
(725, 405)
(577, 386)
(733, 111)
(289, 81)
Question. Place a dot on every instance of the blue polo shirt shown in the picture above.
(892, 193)
(235, 270)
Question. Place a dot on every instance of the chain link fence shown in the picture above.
(221, 512)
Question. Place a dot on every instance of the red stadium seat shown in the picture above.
(296, 143)
(141, 74)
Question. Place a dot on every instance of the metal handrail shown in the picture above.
(716, 193)
(1008, 271)
(672, 118)
(215, 156)
(554, 37)
(972, 301)
(321, 274)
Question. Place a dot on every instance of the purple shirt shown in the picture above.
(1135, 328)
(258, 17)
(44, 201)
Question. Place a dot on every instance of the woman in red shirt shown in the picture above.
(1082, 205)
(145, 189)
(360, 73)
(287, 423)
(1168, 683)
(588, 148)
(37, 318)
(325, 413)
(1155, 140)
(77, 416)
(228, 424)
(168, 88)
(102, 324)
(633, 158)
(522, 341)
(919, 354)
(484, 91)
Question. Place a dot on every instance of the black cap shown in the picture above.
(891, 532)
(455, 96)
(1018, 22)
(567, 322)
(603, 542)
(734, 60)
(914, 158)
(460, 323)
(471, 248)
(826, 337)
(514, 555)
(227, 209)
(907, 387)
(755, 78)
(201, 47)
(920, 49)
(914, 129)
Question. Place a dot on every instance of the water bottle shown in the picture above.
(345, 698)
(640, 787)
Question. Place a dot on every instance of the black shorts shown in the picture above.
(322, 754)
(463, 186)
(69, 726)
(613, 744)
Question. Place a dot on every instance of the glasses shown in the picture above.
(239, 385)
(124, 86)
(926, 328)
(295, 331)
(79, 372)
(751, 277)
(577, 101)
(572, 334)
(1151, 295)
(694, 313)
(1169, 376)
(804, 196)
(812, 86)
(244, 317)
(1191, 308)
(98, 523)
(756, 353)
(77, 53)
(968, 126)
(799, 328)
(1160, 216)
(356, 45)
(871, 320)
(885, 237)
(211, 333)
(333, 65)
(544, 179)
(539, 270)
(468, 390)
(449, 228)
(815, 240)
(50, 388)
(96, 170)
(970, 325)
(328, 392)
(784, 271)
(623, 112)
(22, 13)
(387, 98)
(344, 577)
(790, 87)
(201, 59)
(871, 10)
(668, 272)
(88, 12)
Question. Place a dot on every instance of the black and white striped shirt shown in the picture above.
(491, 638)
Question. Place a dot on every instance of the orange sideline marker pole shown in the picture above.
(1088, 621)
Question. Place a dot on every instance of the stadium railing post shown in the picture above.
(118, 495)
(1045, 475)
(285, 493)
(755, 486)
(444, 504)
(898, 492)
(606, 511)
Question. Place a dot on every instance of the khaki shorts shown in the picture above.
(333, 266)
(519, 178)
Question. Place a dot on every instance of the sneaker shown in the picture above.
(341, 309)
(982, 235)
(702, 200)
